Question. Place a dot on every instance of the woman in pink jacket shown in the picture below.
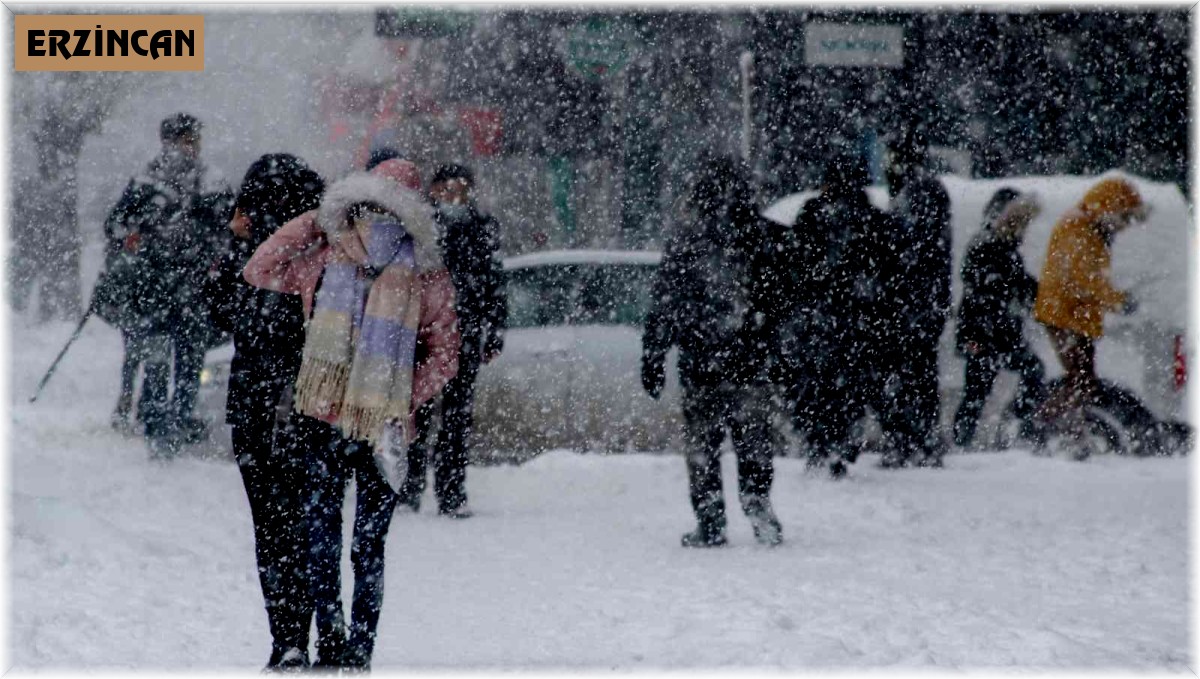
(381, 340)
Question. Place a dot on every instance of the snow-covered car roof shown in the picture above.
(553, 257)
(1151, 260)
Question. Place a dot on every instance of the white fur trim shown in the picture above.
(414, 212)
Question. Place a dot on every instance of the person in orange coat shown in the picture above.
(1074, 292)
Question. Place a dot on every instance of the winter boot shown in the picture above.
(290, 660)
(767, 529)
(190, 430)
(837, 470)
(462, 511)
(710, 527)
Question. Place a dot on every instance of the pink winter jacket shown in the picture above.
(291, 261)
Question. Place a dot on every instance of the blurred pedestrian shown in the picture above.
(843, 264)
(710, 299)
(268, 336)
(171, 221)
(381, 341)
(1075, 293)
(997, 296)
(469, 240)
(923, 300)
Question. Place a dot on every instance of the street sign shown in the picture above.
(871, 45)
(598, 47)
(421, 22)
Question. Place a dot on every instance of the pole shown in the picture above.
(54, 365)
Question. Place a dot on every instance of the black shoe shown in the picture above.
(409, 499)
(893, 460)
(287, 660)
(460, 512)
(837, 470)
(702, 537)
(190, 430)
(162, 446)
(767, 529)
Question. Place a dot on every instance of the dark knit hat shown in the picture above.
(276, 188)
(846, 171)
(380, 154)
(445, 173)
(995, 206)
(178, 126)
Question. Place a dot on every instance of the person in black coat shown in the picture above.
(842, 275)
(268, 338)
(172, 218)
(470, 240)
(714, 299)
(997, 295)
(923, 302)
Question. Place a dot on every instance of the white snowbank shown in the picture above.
(1000, 561)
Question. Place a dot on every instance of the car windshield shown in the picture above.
(579, 294)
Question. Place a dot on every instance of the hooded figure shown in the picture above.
(268, 334)
(711, 300)
(842, 269)
(381, 340)
(997, 295)
(1075, 293)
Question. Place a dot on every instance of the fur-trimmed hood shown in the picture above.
(416, 215)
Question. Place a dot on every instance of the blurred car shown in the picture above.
(570, 372)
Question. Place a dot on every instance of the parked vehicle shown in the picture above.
(569, 374)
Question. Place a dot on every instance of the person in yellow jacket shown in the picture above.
(1074, 292)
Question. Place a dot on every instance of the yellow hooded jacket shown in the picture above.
(1074, 291)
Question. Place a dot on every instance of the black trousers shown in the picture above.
(707, 413)
(919, 398)
(452, 452)
(332, 462)
(275, 482)
(189, 361)
(981, 375)
(153, 352)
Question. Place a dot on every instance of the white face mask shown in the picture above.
(454, 210)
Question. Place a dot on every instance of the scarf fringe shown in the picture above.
(366, 424)
(320, 386)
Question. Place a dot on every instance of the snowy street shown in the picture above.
(1001, 560)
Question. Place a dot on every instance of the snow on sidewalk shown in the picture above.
(572, 561)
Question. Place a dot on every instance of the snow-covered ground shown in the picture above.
(1000, 561)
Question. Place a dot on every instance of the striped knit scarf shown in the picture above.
(356, 371)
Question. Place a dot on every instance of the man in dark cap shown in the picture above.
(171, 222)
(470, 240)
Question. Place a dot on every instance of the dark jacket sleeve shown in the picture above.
(225, 293)
(662, 321)
(496, 312)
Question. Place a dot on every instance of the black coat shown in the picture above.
(924, 298)
(842, 278)
(469, 248)
(268, 338)
(997, 294)
(180, 224)
(717, 303)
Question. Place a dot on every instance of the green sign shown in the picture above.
(599, 47)
(421, 22)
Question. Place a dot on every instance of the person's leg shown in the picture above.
(703, 431)
(156, 380)
(418, 456)
(754, 444)
(322, 449)
(981, 374)
(927, 401)
(274, 498)
(1031, 390)
(189, 361)
(375, 505)
(130, 362)
(1077, 354)
(450, 469)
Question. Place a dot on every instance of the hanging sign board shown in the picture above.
(870, 45)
